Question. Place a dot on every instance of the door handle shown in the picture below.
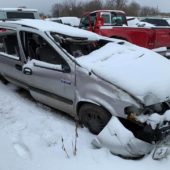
(27, 71)
(18, 67)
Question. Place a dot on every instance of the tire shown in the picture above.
(94, 117)
(3, 80)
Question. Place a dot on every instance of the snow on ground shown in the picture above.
(31, 133)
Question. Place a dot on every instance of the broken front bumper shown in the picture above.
(129, 138)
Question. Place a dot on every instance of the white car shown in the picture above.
(72, 21)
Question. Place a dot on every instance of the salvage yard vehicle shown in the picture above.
(157, 21)
(93, 78)
(71, 21)
(113, 23)
(18, 13)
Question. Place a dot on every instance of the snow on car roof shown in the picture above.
(50, 26)
(74, 21)
(107, 10)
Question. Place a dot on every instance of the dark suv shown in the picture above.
(156, 21)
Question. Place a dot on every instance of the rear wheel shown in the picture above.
(94, 117)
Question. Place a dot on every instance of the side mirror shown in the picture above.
(66, 69)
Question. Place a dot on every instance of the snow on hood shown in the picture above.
(74, 21)
(50, 26)
(141, 72)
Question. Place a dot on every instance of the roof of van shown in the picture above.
(50, 26)
(18, 9)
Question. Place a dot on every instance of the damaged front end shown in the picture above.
(139, 133)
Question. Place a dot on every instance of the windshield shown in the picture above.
(77, 46)
(112, 18)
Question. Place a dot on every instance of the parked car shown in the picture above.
(90, 77)
(54, 20)
(161, 22)
(113, 24)
(18, 13)
(132, 21)
(168, 20)
(72, 21)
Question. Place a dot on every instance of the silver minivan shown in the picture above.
(90, 77)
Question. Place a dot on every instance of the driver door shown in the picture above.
(50, 78)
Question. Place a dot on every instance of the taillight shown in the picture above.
(2, 30)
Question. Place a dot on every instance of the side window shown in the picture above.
(117, 20)
(92, 19)
(9, 42)
(84, 22)
(2, 15)
(123, 18)
(107, 18)
(36, 47)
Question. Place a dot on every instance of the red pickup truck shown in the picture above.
(113, 23)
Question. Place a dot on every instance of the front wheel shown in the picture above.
(94, 117)
(3, 80)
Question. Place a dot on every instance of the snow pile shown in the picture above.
(139, 71)
(30, 139)
(156, 119)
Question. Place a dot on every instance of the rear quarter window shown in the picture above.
(9, 43)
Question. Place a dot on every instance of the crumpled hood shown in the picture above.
(140, 72)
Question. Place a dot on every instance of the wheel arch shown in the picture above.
(81, 103)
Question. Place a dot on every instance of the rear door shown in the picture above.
(10, 56)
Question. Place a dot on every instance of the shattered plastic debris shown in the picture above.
(121, 141)
(160, 153)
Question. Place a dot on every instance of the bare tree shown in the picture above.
(109, 4)
(77, 7)
(147, 11)
(56, 8)
(133, 9)
(93, 5)
(115, 4)
(120, 4)
(67, 8)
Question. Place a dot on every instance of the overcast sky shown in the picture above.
(45, 5)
